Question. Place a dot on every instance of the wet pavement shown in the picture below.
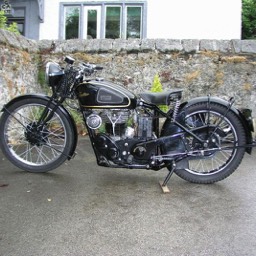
(82, 209)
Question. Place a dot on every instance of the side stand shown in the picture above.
(167, 178)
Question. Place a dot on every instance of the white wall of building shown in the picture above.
(174, 19)
(49, 29)
(194, 19)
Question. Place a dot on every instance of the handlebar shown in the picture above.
(86, 69)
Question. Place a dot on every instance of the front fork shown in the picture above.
(47, 115)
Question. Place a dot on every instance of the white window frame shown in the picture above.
(85, 20)
(101, 7)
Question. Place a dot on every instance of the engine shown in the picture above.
(121, 124)
(120, 135)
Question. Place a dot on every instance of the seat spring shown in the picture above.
(176, 109)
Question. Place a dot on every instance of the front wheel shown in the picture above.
(31, 145)
(219, 155)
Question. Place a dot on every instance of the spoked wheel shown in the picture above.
(219, 154)
(32, 145)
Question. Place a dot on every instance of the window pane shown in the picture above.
(19, 12)
(133, 26)
(113, 19)
(72, 22)
(21, 28)
(92, 24)
(19, 18)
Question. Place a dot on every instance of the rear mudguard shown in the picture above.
(244, 115)
(60, 107)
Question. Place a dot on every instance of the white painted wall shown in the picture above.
(194, 19)
(49, 29)
(174, 19)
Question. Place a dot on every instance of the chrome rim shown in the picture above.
(31, 143)
(224, 136)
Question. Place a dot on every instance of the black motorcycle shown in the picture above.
(203, 140)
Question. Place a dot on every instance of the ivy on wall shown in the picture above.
(13, 27)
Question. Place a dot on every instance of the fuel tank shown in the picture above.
(104, 94)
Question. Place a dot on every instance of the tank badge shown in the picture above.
(85, 94)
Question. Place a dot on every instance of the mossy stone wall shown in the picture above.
(224, 68)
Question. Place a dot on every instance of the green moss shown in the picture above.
(41, 77)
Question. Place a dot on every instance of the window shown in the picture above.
(113, 22)
(133, 24)
(117, 19)
(91, 22)
(72, 17)
(18, 17)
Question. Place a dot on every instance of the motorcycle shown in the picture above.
(202, 140)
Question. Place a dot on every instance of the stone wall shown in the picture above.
(18, 66)
(223, 68)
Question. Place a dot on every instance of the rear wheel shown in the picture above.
(218, 156)
(30, 145)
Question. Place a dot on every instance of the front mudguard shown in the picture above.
(244, 115)
(60, 107)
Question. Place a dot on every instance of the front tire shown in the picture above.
(29, 145)
(223, 132)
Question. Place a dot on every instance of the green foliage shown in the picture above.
(157, 87)
(249, 19)
(3, 20)
(3, 24)
(13, 28)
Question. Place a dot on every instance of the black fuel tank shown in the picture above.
(104, 94)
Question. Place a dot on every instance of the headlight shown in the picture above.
(47, 72)
(53, 73)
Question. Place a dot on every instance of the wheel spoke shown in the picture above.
(213, 148)
(212, 161)
(32, 145)
(42, 156)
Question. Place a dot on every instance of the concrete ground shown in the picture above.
(82, 209)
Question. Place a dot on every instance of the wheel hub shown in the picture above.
(210, 141)
(35, 134)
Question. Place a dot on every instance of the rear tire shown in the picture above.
(30, 146)
(221, 129)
